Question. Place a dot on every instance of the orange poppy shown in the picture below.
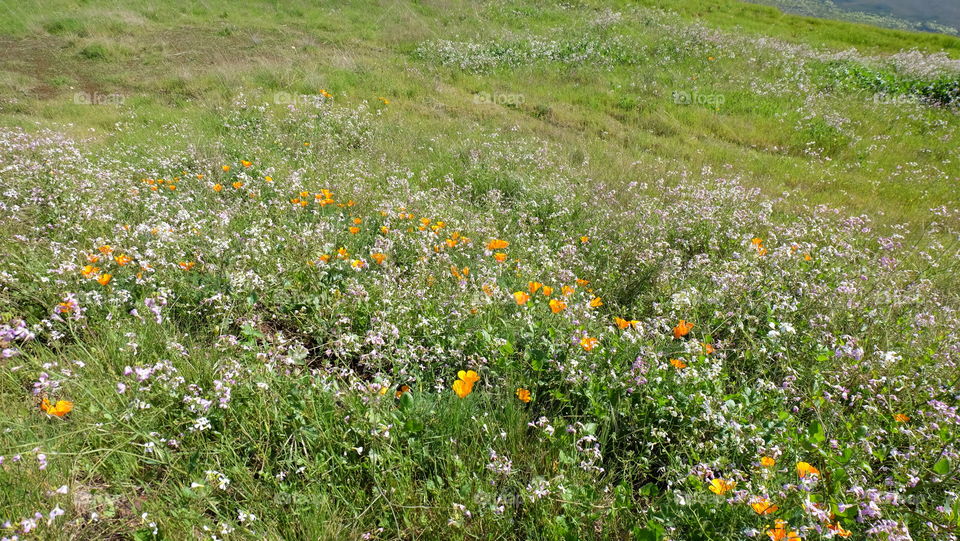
(682, 329)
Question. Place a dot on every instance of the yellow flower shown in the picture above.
(354, 230)
(61, 408)
(763, 506)
(469, 376)
(584, 239)
(104, 279)
(804, 469)
(464, 384)
(682, 329)
(901, 418)
(596, 302)
(89, 270)
(497, 244)
(217, 187)
(781, 532)
(708, 349)
(237, 185)
(268, 178)
(500, 257)
(106, 249)
(401, 390)
(358, 263)
(767, 462)
(547, 291)
(588, 343)
(557, 306)
(839, 530)
(721, 486)
(523, 394)
(379, 258)
(245, 163)
(521, 297)
(186, 265)
(566, 291)
(462, 388)
(678, 364)
(533, 287)
(123, 259)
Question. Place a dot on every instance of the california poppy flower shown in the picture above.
(105, 278)
(379, 258)
(217, 187)
(521, 297)
(557, 306)
(547, 291)
(767, 462)
(901, 418)
(708, 349)
(584, 239)
(763, 506)
(596, 302)
(588, 343)
(682, 329)
(678, 364)
(839, 530)
(59, 409)
(186, 265)
(497, 244)
(500, 257)
(781, 532)
(469, 376)
(463, 386)
(721, 486)
(533, 287)
(354, 230)
(804, 469)
(566, 291)
(123, 259)
(225, 168)
(245, 163)
(523, 394)
(401, 390)
(88, 271)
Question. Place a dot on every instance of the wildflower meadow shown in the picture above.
(489, 270)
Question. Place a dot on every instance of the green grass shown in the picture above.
(614, 142)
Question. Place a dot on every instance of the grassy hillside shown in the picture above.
(652, 270)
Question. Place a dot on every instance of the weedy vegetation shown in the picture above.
(508, 269)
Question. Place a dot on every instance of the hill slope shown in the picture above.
(646, 270)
